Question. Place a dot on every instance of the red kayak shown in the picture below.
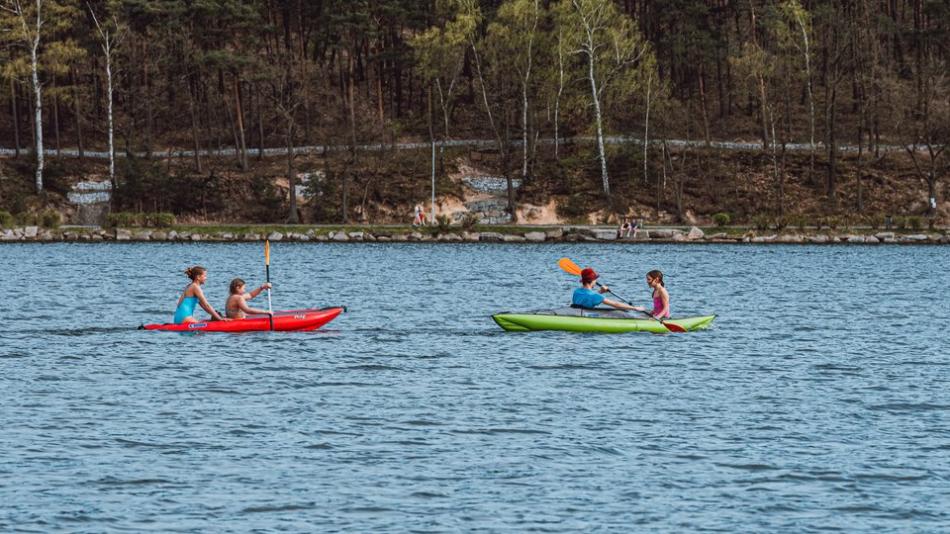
(284, 321)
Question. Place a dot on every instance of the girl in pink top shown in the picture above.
(661, 298)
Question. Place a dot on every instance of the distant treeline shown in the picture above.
(147, 75)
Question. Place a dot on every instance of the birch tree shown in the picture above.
(513, 35)
(616, 58)
(794, 10)
(110, 35)
(27, 28)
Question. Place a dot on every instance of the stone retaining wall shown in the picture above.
(558, 235)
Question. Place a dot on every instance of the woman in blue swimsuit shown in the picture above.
(192, 296)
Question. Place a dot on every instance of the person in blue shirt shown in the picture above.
(587, 297)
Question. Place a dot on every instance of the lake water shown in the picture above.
(819, 400)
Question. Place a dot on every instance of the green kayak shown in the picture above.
(608, 321)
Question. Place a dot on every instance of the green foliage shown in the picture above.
(160, 219)
(123, 219)
(722, 219)
(469, 221)
(127, 219)
(915, 223)
(50, 219)
(760, 222)
(577, 207)
(27, 218)
(799, 221)
(443, 223)
(6, 219)
(441, 49)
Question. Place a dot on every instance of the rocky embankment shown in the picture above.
(506, 235)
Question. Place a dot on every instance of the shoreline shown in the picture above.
(481, 234)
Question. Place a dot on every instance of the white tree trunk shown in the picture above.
(37, 95)
(811, 99)
(646, 131)
(557, 98)
(524, 96)
(107, 48)
(598, 119)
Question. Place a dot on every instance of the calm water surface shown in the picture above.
(818, 401)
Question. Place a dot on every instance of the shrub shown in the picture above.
(800, 222)
(26, 219)
(5, 219)
(760, 222)
(159, 220)
(915, 223)
(721, 219)
(122, 219)
(900, 222)
(442, 224)
(832, 222)
(50, 219)
(469, 220)
(875, 221)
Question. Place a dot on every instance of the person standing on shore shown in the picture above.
(192, 296)
(418, 217)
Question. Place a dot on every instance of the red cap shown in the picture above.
(589, 275)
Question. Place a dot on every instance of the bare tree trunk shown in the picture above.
(78, 114)
(260, 123)
(239, 121)
(503, 144)
(646, 131)
(811, 98)
(37, 92)
(14, 105)
(291, 174)
(557, 98)
(831, 185)
(524, 96)
(702, 101)
(107, 48)
(432, 141)
(194, 127)
(56, 123)
(598, 119)
(149, 113)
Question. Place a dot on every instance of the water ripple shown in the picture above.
(415, 412)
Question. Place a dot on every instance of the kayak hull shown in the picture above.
(601, 321)
(284, 321)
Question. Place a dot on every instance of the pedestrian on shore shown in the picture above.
(624, 230)
(192, 296)
(236, 307)
(634, 228)
(418, 218)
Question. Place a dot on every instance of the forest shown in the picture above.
(837, 96)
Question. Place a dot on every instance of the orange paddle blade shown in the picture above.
(266, 252)
(569, 266)
(673, 327)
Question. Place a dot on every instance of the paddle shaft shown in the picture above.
(270, 307)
